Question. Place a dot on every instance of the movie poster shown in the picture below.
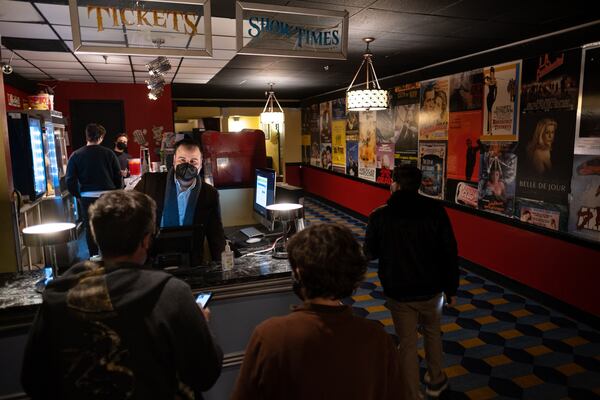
(432, 161)
(326, 156)
(305, 120)
(549, 216)
(338, 145)
(584, 216)
(406, 125)
(497, 177)
(463, 193)
(338, 108)
(546, 156)
(588, 129)
(352, 154)
(463, 145)
(385, 163)
(306, 149)
(306, 135)
(367, 145)
(501, 101)
(551, 82)
(466, 91)
(385, 126)
(352, 123)
(325, 122)
(352, 129)
(315, 136)
(433, 112)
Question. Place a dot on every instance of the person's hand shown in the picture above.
(450, 302)
(205, 312)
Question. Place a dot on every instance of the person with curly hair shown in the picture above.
(314, 351)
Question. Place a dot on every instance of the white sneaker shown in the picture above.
(436, 389)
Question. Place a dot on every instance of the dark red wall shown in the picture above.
(558, 268)
(140, 112)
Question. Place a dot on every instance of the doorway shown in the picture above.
(108, 113)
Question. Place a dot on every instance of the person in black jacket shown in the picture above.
(121, 152)
(91, 171)
(418, 264)
(120, 331)
(182, 199)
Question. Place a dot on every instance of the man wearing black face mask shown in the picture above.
(182, 199)
(122, 154)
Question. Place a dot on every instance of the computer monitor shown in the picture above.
(264, 194)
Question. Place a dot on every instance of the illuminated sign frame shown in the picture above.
(80, 48)
(307, 12)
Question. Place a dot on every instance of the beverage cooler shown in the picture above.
(27, 154)
(39, 165)
(55, 150)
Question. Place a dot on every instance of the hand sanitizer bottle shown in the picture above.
(227, 258)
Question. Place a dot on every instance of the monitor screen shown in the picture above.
(173, 247)
(264, 194)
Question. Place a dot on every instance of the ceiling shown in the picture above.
(409, 34)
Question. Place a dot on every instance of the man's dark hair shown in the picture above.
(329, 259)
(93, 132)
(187, 142)
(120, 135)
(408, 177)
(120, 220)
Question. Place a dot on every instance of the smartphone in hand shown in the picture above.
(203, 299)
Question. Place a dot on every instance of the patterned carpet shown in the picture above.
(497, 344)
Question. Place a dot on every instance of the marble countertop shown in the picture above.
(246, 269)
(18, 290)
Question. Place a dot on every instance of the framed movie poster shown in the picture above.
(587, 139)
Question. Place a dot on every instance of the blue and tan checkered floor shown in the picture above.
(497, 344)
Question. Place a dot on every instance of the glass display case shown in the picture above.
(52, 173)
(37, 151)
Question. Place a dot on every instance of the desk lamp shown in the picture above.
(48, 236)
(286, 213)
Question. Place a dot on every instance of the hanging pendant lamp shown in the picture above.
(372, 97)
(270, 115)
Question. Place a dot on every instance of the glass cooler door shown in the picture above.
(37, 151)
(52, 173)
(61, 149)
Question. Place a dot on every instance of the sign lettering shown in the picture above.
(176, 20)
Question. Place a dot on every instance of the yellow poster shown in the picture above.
(338, 137)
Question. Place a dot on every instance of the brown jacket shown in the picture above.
(319, 352)
(207, 216)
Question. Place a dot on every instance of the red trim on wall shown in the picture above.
(349, 193)
(140, 112)
(558, 268)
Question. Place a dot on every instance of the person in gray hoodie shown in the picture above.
(119, 330)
